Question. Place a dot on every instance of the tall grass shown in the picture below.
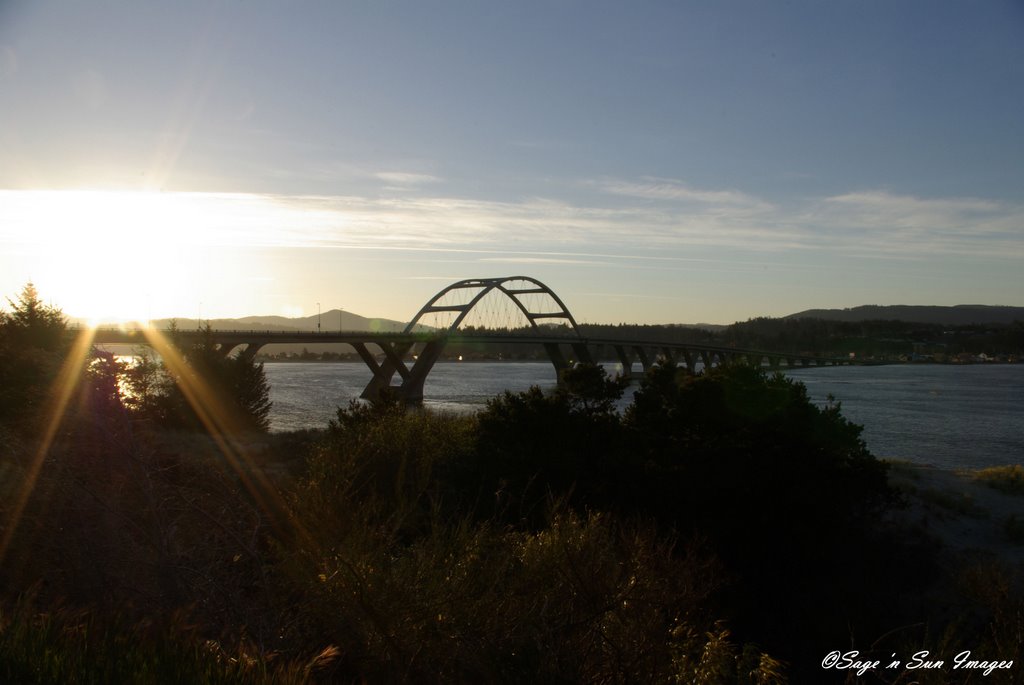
(1008, 479)
(66, 645)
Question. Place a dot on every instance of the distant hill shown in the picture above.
(330, 321)
(714, 327)
(958, 315)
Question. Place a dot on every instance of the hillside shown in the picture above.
(333, 320)
(958, 315)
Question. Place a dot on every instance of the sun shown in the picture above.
(112, 255)
(134, 256)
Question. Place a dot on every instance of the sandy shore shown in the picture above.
(969, 517)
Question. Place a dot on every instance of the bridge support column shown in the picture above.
(393, 359)
(557, 358)
(582, 353)
(250, 351)
(223, 349)
(412, 387)
(645, 360)
(382, 373)
(688, 358)
(625, 360)
(380, 380)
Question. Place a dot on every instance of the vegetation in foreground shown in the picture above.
(722, 530)
(1008, 479)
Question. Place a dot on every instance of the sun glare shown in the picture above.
(115, 256)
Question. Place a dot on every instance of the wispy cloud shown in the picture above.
(446, 279)
(406, 178)
(653, 188)
(544, 260)
(887, 223)
(540, 230)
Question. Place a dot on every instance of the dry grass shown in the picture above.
(960, 503)
(1007, 479)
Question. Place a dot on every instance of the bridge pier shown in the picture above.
(558, 360)
(688, 358)
(250, 350)
(645, 359)
(625, 360)
(755, 359)
(381, 378)
(582, 353)
(411, 389)
(384, 372)
(556, 357)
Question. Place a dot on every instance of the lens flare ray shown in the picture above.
(67, 381)
(223, 425)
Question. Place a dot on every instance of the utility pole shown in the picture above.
(317, 317)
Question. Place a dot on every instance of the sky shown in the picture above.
(651, 162)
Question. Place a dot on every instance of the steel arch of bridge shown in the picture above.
(411, 387)
(487, 286)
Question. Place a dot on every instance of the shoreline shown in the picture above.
(972, 520)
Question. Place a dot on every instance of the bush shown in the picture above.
(786, 492)
(404, 571)
(532, 448)
(738, 441)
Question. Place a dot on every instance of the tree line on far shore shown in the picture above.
(880, 340)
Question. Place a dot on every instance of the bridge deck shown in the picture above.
(250, 337)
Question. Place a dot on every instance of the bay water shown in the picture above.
(950, 416)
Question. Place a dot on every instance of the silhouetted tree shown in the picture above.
(236, 386)
(146, 384)
(33, 344)
(35, 324)
(588, 389)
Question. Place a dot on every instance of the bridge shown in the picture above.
(492, 303)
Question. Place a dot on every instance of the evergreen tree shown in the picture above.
(33, 345)
(237, 385)
(35, 324)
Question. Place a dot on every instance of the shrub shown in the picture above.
(785, 492)
(533, 447)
